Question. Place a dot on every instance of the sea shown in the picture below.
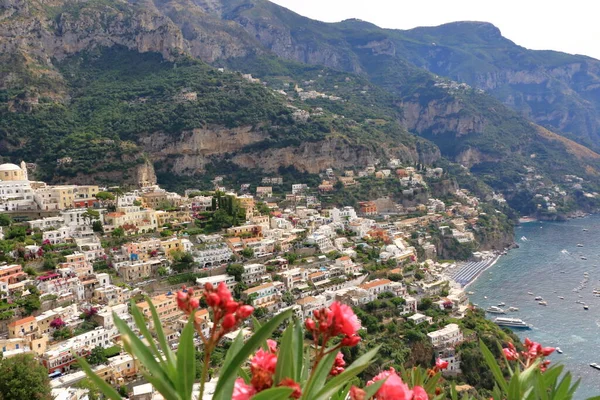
(549, 263)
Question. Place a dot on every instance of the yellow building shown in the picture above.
(143, 219)
(12, 172)
(22, 327)
(170, 245)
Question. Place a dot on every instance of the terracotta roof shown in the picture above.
(21, 321)
(375, 283)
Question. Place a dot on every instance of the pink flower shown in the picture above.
(546, 351)
(272, 346)
(264, 360)
(510, 354)
(344, 320)
(244, 311)
(441, 364)
(393, 388)
(338, 364)
(242, 391)
(419, 393)
(357, 393)
(294, 385)
(224, 293)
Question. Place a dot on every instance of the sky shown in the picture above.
(570, 26)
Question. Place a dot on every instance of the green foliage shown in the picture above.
(23, 377)
(182, 261)
(235, 270)
(97, 356)
(5, 219)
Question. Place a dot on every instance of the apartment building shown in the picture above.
(449, 336)
(253, 273)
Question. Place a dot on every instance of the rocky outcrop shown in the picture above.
(438, 117)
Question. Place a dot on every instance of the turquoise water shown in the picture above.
(536, 267)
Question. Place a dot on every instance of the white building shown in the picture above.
(449, 336)
(253, 273)
(345, 214)
(217, 279)
(212, 255)
(294, 277)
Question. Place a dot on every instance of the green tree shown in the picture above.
(5, 220)
(118, 232)
(97, 226)
(182, 261)
(247, 252)
(90, 215)
(104, 196)
(22, 377)
(97, 356)
(235, 270)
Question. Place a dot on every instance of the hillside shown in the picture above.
(117, 86)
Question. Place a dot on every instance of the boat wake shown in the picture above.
(524, 239)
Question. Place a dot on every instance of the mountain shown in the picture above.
(107, 89)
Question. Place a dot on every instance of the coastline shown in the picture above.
(497, 257)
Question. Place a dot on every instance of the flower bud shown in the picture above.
(244, 312)
(546, 351)
(357, 393)
(231, 307)
(213, 300)
(228, 322)
(310, 324)
(194, 303)
(351, 341)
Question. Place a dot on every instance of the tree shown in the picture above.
(247, 252)
(97, 226)
(182, 261)
(5, 220)
(118, 232)
(90, 215)
(104, 196)
(288, 298)
(23, 378)
(97, 356)
(235, 270)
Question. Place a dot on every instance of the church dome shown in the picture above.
(9, 167)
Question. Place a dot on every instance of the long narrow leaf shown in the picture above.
(140, 323)
(285, 359)
(373, 388)
(276, 393)
(160, 335)
(318, 376)
(186, 360)
(298, 342)
(139, 349)
(227, 377)
(104, 387)
(359, 365)
(235, 347)
(493, 366)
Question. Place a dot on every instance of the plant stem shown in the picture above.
(204, 370)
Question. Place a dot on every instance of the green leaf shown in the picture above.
(285, 358)
(514, 386)
(140, 322)
(186, 360)
(104, 387)
(139, 350)
(318, 376)
(276, 393)
(359, 365)
(370, 390)
(160, 335)
(235, 347)
(298, 342)
(227, 376)
(493, 365)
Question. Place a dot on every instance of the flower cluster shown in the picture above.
(262, 370)
(338, 319)
(392, 389)
(338, 364)
(227, 314)
(533, 351)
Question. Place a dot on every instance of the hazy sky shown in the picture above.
(570, 26)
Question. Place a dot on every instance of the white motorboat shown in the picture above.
(558, 350)
(511, 322)
(530, 293)
(583, 258)
(495, 310)
(594, 365)
(586, 307)
(501, 304)
(579, 245)
(513, 308)
(561, 297)
(543, 303)
(538, 298)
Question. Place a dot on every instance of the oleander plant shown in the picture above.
(307, 363)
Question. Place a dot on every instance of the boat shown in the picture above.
(594, 365)
(501, 304)
(543, 303)
(495, 310)
(511, 322)
(579, 245)
(470, 293)
(583, 258)
(523, 238)
(561, 297)
(530, 293)
(538, 298)
(558, 350)
(513, 308)
(585, 230)
(586, 307)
